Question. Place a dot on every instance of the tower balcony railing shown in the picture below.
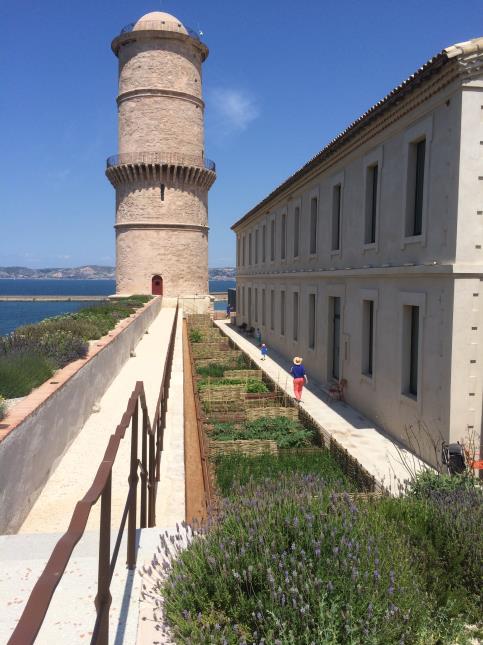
(154, 157)
(163, 25)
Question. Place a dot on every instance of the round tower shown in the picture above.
(161, 174)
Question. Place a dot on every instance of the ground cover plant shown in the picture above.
(287, 433)
(217, 370)
(31, 353)
(292, 561)
(237, 469)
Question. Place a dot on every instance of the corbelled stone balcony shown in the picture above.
(160, 166)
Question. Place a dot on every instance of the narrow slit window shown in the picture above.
(411, 351)
(415, 201)
(250, 249)
(296, 315)
(313, 225)
(368, 337)
(311, 321)
(283, 237)
(336, 205)
(296, 231)
(256, 246)
(272, 309)
(264, 243)
(162, 192)
(272, 240)
(282, 313)
(371, 204)
(264, 308)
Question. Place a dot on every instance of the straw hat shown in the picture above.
(297, 360)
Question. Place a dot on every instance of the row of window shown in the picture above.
(410, 327)
(413, 221)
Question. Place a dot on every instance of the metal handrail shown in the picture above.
(162, 25)
(155, 157)
(39, 600)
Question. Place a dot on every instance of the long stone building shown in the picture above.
(161, 174)
(368, 260)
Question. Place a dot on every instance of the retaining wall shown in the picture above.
(31, 448)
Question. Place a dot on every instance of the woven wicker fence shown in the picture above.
(245, 446)
(260, 413)
(206, 350)
(224, 393)
(244, 374)
(228, 357)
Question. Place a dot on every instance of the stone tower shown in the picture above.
(161, 174)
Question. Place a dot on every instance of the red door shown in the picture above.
(157, 285)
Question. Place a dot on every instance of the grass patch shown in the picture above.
(235, 470)
(288, 433)
(21, 372)
(3, 408)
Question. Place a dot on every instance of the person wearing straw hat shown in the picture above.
(299, 377)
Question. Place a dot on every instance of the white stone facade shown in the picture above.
(389, 213)
(161, 175)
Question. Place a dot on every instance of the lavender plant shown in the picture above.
(288, 561)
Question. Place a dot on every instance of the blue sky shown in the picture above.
(282, 79)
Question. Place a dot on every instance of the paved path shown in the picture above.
(75, 473)
(382, 457)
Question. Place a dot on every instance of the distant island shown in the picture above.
(89, 272)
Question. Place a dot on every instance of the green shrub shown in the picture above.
(287, 562)
(286, 432)
(3, 407)
(256, 387)
(62, 347)
(212, 369)
(427, 482)
(196, 336)
(233, 470)
(20, 372)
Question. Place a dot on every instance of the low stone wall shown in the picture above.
(31, 447)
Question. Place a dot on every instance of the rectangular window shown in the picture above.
(371, 204)
(272, 240)
(162, 192)
(367, 337)
(313, 225)
(336, 206)
(238, 251)
(256, 246)
(249, 248)
(243, 251)
(312, 320)
(256, 305)
(264, 243)
(416, 161)
(283, 237)
(272, 309)
(244, 309)
(335, 337)
(282, 313)
(296, 315)
(410, 350)
(249, 310)
(264, 308)
(296, 232)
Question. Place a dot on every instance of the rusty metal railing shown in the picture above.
(147, 469)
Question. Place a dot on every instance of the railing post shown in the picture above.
(133, 482)
(103, 598)
(144, 473)
(152, 479)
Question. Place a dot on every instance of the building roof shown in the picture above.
(432, 66)
(161, 21)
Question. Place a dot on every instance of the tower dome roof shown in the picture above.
(161, 21)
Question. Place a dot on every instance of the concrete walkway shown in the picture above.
(75, 473)
(380, 455)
